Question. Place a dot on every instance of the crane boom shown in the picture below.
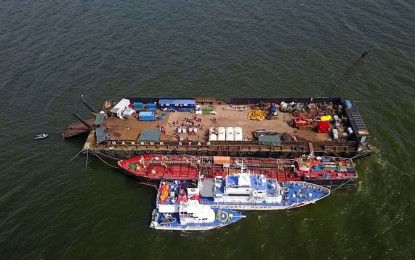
(349, 72)
(88, 106)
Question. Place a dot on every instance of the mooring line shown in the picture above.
(86, 162)
(393, 166)
(113, 158)
(352, 179)
(361, 154)
(115, 167)
(76, 155)
(378, 157)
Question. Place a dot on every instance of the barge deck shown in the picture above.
(258, 127)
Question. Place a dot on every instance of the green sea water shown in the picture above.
(51, 52)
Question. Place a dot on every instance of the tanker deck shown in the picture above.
(263, 127)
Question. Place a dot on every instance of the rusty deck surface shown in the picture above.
(188, 132)
(130, 129)
(74, 131)
(76, 128)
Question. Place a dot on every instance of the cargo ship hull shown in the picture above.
(324, 171)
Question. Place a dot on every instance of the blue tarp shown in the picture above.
(99, 119)
(100, 135)
(270, 139)
(150, 135)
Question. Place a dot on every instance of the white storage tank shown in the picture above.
(179, 130)
(213, 137)
(221, 134)
(335, 134)
(238, 134)
(230, 134)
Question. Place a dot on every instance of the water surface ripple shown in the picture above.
(51, 52)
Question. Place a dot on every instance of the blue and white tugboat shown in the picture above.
(241, 191)
(246, 191)
(192, 216)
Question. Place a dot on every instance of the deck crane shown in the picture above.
(75, 128)
(356, 122)
(88, 106)
(349, 72)
(83, 121)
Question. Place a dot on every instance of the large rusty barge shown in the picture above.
(255, 127)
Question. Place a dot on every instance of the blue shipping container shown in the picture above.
(146, 116)
(348, 104)
(138, 105)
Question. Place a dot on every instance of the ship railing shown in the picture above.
(231, 147)
(212, 203)
(188, 224)
(166, 224)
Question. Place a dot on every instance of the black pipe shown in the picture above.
(82, 121)
(88, 106)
